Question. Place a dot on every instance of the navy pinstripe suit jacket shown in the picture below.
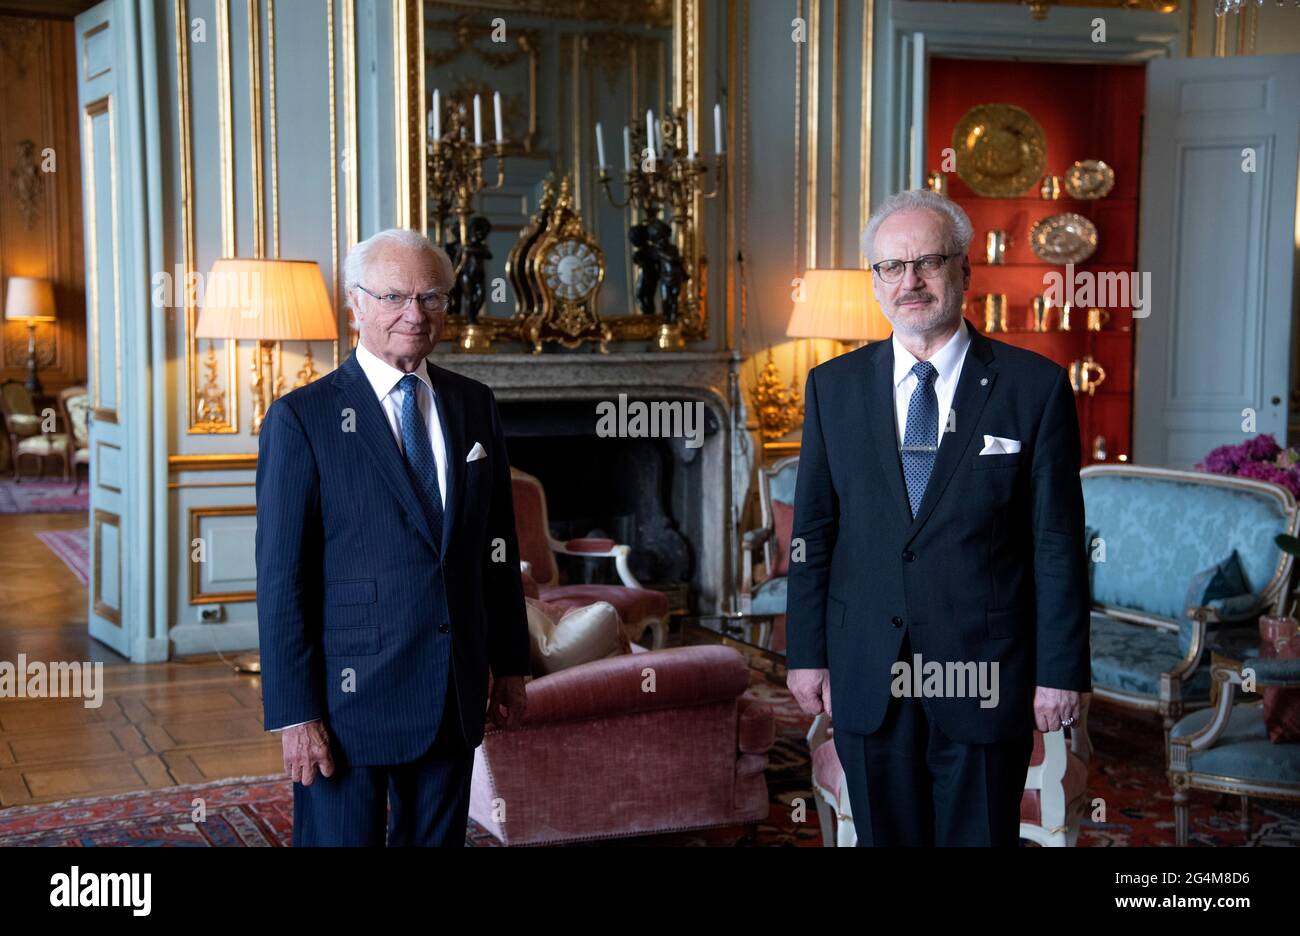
(363, 619)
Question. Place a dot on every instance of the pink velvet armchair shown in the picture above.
(638, 608)
(651, 742)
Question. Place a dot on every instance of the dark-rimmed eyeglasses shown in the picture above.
(927, 265)
(396, 302)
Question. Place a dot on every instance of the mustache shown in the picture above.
(912, 297)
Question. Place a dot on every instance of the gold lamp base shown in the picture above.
(476, 339)
(669, 338)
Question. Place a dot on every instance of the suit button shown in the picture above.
(896, 621)
(443, 628)
(909, 556)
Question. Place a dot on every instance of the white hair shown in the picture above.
(358, 259)
(960, 230)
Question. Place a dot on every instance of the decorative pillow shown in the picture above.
(1279, 639)
(1224, 588)
(561, 639)
(782, 532)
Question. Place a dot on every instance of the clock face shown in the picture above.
(571, 269)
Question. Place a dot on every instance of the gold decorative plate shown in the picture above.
(1063, 238)
(1089, 178)
(1001, 150)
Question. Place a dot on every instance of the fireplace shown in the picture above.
(667, 495)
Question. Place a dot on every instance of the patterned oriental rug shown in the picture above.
(73, 547)
(1127, 772)
(42, 497)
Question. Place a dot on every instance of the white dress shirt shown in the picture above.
(384, 379)
(947, 362)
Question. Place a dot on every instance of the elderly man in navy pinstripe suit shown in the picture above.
(383, 499)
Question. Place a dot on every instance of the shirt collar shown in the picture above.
(945, 360)
(383, 376)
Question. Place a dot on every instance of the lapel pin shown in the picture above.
(984, 381)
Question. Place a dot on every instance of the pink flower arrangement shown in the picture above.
(1260, 458)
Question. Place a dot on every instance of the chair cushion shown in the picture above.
(634, 604)
(1159, 532)
(1243, 751)
(77, 406)
(49, 444)
(1075, 782)
(23, 424)
(828, 773)
(563, 638)
(782, 532)
(1131, 657)
(769, 597)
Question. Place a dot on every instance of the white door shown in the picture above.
(1217, 234)
(117, 310)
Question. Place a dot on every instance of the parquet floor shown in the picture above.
(159, 725)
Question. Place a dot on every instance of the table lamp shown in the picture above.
(838, 304)
(30, 300)
(267, 301)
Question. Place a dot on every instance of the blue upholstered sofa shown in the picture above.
(1151, 533)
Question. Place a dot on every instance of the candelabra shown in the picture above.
(667, 176)
(455, 174)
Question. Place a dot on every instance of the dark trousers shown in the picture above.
(910, 785)
(424, 802)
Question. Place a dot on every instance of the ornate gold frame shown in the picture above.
(686, 23)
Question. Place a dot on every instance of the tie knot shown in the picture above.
(924, 371)
(409, 383)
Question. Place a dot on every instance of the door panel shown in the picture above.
(1217, 235)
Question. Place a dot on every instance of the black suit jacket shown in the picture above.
(351, 581)
(992, 568)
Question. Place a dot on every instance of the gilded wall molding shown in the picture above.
(864, 196)
(835, 133)
(238, 461)
(206, 411)
(255, 115)
(275, 143)
(336, 272)
(196, 516)
(814, 108)
(353, 223)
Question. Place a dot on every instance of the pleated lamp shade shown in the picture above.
(838, 304)
(29, 300)
(266, 300)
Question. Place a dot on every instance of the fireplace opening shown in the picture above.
(645, 492)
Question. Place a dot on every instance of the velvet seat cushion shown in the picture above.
(1075, 782)
(633, 604)
(1243, 751)
(1131, 657)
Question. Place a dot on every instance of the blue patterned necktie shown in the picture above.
(419, 454)
(921, 437)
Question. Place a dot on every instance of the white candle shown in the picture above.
(627, 148)
(650, 130)
(496, 110)
(478, 120)
(690, 134)
(717, 129)
(437, 115)
(600, 148)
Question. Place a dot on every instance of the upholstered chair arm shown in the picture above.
(683, 676)
(1275, 673)
(601, 549)
(1229, 678)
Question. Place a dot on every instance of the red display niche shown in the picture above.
(1086, 112)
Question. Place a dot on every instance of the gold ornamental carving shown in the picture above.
(777, 406)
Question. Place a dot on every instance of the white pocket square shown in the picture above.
(996, 445)
(477, 452)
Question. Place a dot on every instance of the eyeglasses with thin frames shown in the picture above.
(928, 265)
(396, 302)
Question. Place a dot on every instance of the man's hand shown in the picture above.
(811, 688)
(1052, 706)
(306, 747)
(508, 693)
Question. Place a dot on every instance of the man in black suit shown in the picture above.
(943, 586)
(387, 570)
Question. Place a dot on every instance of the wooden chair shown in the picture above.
(23, 426)
(764, 592)
(75, 403)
